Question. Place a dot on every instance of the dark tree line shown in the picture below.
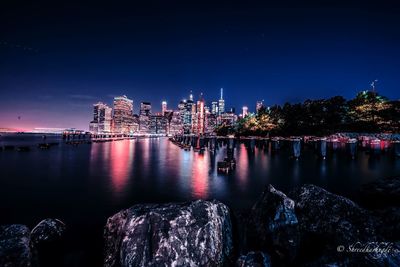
(367, 112)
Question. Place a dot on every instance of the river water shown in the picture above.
(86, 184)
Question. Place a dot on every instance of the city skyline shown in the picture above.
(280, 53)
(157, 108)
(190, 116)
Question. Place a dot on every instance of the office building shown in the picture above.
(123, 114)
(102, 117)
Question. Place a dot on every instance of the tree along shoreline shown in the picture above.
(368, 112)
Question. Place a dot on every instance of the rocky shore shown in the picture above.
(308, 226)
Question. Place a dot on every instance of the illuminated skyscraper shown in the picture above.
(221, 103)
(163, 107)
(210, 123)
(181, 110)
(214, 107)
(102, 117)
(123, 114)
(200, 116)
(158, 124)
(185, 108)
(245, 111)
(175, 125)
(145, 109)
(144, 117)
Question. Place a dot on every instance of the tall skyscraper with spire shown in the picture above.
(221, 103)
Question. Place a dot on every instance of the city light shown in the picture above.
(190, 117)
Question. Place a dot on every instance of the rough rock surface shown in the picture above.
(273, 224)
(48, 230)
(328, 221)
(15, 246)
(333, 216)
(382, 192)
(198, 233)
(47, 239)
(254, 259)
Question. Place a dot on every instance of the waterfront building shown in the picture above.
(198, 127)
(210, 123)
(245, 111)
(181, 110)
(175, 124)
(228, 119)
(134, 127)
(185, 108)
(144, 118)
(123, 114)
(102, 117)
(193, 113)
(158, 124)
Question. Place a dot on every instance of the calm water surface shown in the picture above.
(84, 185)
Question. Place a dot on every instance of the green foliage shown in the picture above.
(224, 130)
(367, 112)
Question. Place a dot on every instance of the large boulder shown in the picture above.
(48, 230)
(331, 225)
(323, 213)
(48, 240)
(198, 233)
(273, 225)
(254, 259)
(15, 248)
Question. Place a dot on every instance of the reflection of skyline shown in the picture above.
(242, 167)
(121, 161)
(162, 167)
(200, 176)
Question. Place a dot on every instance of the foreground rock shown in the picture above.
(323, 213)
(47, 231)
(15, 248)
(19, 247)
(47, 239)
(382, 192)
(273, 225)
(254, 259)
(184, 234)
(329, 222)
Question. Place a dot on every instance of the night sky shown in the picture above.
(58, 59)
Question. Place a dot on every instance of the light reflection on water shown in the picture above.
(116, 175)
(85, 185)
